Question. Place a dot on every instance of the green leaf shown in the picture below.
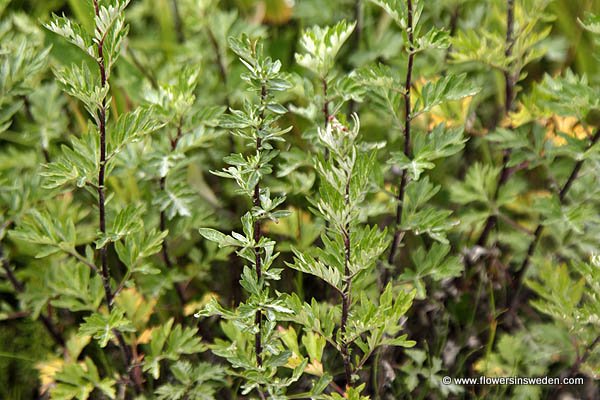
(77, 164)
(434, 263)
(83, 84)
(218, 237)
(111, 30)
(79, 380)
(448, 88)
(131, 127)
(102, 327)
(168, 343)
(396, 9)
(125, 222)
(52, 234)
(314, 345)
(322, 45)
(479, 185)
(75, 287)
(176, 199)
(139, 245)
(307, 264)
(559, 293)
(591, 23)
(73, 33)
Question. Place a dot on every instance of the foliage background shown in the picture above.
(167, 44)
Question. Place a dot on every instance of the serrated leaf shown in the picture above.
(102, 327)
(322, 45)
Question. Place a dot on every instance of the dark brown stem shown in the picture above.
(346, 299)
(407, 125)
(583, 358)
(325, 109)
(452, 29)
(358, 16)
(519, 278)
(52, 330)
(101, 203)
(178, 22)
(509, 86)
(218, 59)
(509, 77)
(20, 288)
(142, 68)
(516, 225)
(101, 195)
(356, 39)
(105, 270)
(257, 236)
(579, 360)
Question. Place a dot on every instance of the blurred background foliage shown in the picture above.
(165, 35)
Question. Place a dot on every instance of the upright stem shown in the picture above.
(178, 22)
(222, 73)
(407, 125)
(358, 16)
(258, 235)
(452, 29)
(219, 60)
(325, 109)
(346, 299)
(509, 76)
(519, 278)
(586, 354)
(509, 85)
(144, 71)
(356, 39)
(125, 350)
(101, 172)
(20, 288)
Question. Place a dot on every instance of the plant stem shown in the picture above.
(325, 109)
(258, 234)
(142, 68)
(105, 270)
(358, 16)
(583, 358)
(346, 300)
(219, 60)
(452, 30)
(178, 22)
(356, 40)
(407, 126)
(579, 360)
(101, 172)
(519, 278)
(509, 86)
(20, 288)
(509, 78)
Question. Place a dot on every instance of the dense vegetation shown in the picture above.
(278, 199)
